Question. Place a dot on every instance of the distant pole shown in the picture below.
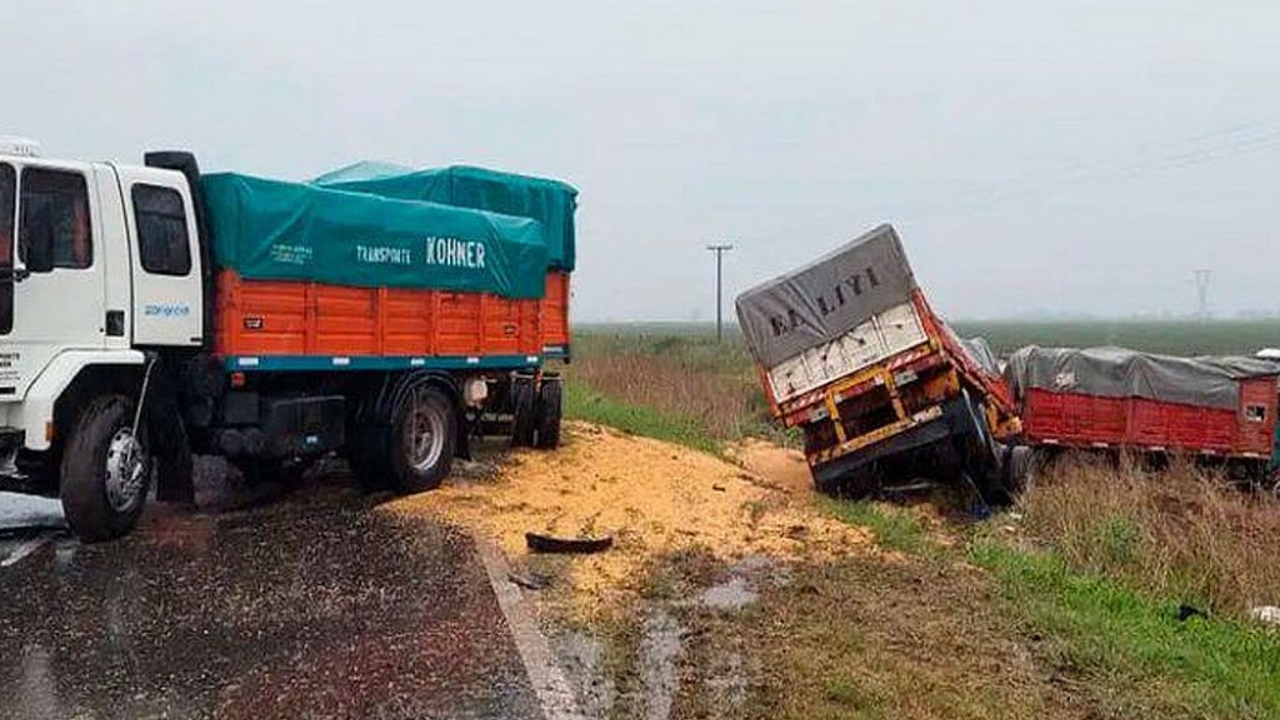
(719, 250)
(1203, 276)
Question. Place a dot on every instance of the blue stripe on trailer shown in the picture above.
(254, 363)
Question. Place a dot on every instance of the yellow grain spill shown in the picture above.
(653, 497)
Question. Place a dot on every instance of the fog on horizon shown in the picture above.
(1064, 157)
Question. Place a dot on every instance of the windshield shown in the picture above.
(7, 192)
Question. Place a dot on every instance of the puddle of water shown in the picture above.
(659, 648)
(583, 658)
(733, 594)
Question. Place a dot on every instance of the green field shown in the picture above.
(1175, 337)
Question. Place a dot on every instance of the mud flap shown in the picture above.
(174, 465)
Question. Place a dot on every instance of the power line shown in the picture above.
(1244, 138)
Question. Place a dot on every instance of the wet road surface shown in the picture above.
(316, 606)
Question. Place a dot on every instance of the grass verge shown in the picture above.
(894, 528)
(585, 403)
(1128, 652)
(698, 380)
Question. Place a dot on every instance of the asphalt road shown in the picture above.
(316, 606)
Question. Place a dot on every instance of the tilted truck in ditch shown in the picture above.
(149, 313)
(849, 351)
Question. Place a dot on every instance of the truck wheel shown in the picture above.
(106, 471)
(1019, 468)
(980, 455)
(549, 414)
(524, 404)
(423, 439)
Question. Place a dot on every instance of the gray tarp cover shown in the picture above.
(1117, 372)
(980, 351)
(826, 298)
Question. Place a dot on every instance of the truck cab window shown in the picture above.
(162, 230)
(55, 230)
(7, 191)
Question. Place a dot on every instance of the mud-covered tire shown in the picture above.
(524, 408)
(424, 435)
(549, 414)
(99, 432)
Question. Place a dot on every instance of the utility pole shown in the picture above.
(719, 250)
(1202, 291)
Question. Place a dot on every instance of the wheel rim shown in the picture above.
(126, 471)
(424, 433)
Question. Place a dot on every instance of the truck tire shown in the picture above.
(980, 457)
(106, 471)
(423, 439)
(524, 408)
(1019, 468)
(549, 404)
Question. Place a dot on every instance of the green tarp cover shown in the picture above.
(273, 230)
(550, 202)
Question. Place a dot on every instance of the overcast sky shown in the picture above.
(1051, 156)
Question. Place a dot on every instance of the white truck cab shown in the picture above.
(97, 260)
(99, 264)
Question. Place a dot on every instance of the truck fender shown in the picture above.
(377, 407)
(35, 413)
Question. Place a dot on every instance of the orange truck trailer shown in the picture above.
(849, 351)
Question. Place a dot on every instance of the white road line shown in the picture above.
(24, 550)
(554, 692)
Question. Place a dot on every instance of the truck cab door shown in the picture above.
(165, 257)
(52, 299)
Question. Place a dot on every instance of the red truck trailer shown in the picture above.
(1113, 398)
(849, 351)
